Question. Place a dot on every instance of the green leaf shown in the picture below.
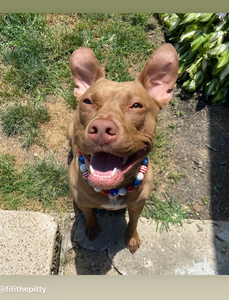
(189, 32)
(198, 42)
(223, 60)
(198, 76)
(212, 87)
(204, 64)
(204, 17)
(220, 25)
(189, 85)
(181, 68)
(224, 73)
(189, 18)
(208, 45)
(215, 36)
(218, 97)
(174, 24)
(218, 49)
(192, 69)
(194, 66)
(188, 57)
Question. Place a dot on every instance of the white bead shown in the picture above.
(140, 176)
(83, 168)
(122, 192)
(97, 190)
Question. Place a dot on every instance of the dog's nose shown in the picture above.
(103, 131)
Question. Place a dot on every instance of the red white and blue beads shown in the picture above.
(85, 174)
(122, 191)
(83, 167)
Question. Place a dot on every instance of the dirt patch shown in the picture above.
(53, 133)
(67, 19)
(199, 151)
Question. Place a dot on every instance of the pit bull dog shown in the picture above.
(112, 133)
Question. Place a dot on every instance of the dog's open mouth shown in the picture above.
(107, 170)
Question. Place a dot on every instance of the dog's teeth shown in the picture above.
(124, 160)
(91, 169)
(114, 172)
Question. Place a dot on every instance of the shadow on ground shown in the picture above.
(219, 159)
(95, 259)
(216, 141)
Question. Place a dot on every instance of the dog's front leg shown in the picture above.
(132, 239)
(91, 227)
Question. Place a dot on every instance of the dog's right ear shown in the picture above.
(85, 70)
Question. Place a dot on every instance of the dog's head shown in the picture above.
(115, 122)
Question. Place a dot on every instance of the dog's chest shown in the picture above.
(114, 203)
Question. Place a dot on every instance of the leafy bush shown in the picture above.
(202, 44)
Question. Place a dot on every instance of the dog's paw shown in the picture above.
(91, 232)
(133, 243)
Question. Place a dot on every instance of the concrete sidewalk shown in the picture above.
(30, 243)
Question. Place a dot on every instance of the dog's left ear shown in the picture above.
(85, 70)
(160, 74)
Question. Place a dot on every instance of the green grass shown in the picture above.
(171, 127)
(44, 181)
(23, 121)
(37, 56)
(215, 189)
(206, 200)
(167, 212)
(24, 44)
(176, 176)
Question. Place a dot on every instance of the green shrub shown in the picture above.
(202, 44)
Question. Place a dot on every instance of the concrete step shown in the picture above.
(195, 248)
(29, 243)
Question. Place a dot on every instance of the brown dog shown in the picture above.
(112, 133)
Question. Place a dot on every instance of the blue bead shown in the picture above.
(136, 182)
(81, 160)
(145, 161)
(114, 192)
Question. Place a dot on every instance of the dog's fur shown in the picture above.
(115, 121)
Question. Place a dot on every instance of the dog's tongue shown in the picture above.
(104, 162)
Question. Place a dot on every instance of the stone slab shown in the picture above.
(196, 248)
(29, 243)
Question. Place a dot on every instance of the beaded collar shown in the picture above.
(114, 192)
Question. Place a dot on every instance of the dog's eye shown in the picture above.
(87, 101)
(137, 105)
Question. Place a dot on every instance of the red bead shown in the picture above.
(85, 174)
(105, 192)
(79, 152)
(143, 169)
(130, 188)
